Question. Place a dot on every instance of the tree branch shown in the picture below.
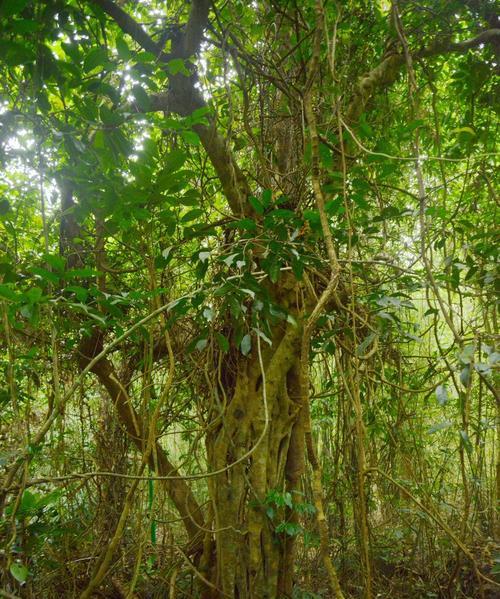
(485, 37)
(197, 22)
(183, 97)
(385, 74)
(128, 25)
(178, 490)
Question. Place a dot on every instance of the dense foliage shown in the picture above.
(248, 334)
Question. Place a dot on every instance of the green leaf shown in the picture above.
(58, 263)
(25, 26)
(48, 499)
(16, 53)
(190, 137)
(263, 336)
(4, 207)
(222, 342)
(197, 117)
(440, 426)
(467, 354)
(81, 293)
(8, 293)
(282, 213)
(44, 274)
(13, 7)
(19, 572)
(467, 130)
(145, 57)
(464, 439)
(95, 58)
(141, 98)
(298, 268)
(174, 160)
(99, 141)
(267, 198)
(176, 66)
(365, 344)
(465, 375)
(312, 217)
(28, 502)
(192, 215)
(256, 205)
(33, 295)
(482, 368)
(273, 270)
(122, 48)
(335, 206)
(244, 224)
(246, 345)
(442, 395)
(493, 358)
(201, 344)
(293, 529)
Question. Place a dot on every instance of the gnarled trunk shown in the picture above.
(258, 447)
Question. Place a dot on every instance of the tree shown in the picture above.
(245, 192)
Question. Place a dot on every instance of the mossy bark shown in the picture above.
(247, 558)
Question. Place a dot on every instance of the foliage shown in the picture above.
(183, 348)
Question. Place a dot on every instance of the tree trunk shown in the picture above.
(259, 448)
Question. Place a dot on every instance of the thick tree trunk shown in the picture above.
(247, 558)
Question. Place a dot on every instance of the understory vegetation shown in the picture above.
(248, 319)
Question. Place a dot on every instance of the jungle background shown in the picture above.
(248, 327)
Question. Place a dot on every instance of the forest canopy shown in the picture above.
(248, 319)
